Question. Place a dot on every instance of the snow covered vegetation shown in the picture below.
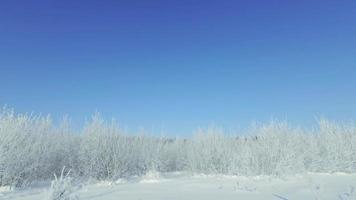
(62, 188)
(32, 149)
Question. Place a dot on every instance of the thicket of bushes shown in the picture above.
(32, 148)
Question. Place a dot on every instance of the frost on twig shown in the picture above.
(62, 188)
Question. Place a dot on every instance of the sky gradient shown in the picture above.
(172, 66)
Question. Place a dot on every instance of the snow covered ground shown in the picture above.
(178, 186)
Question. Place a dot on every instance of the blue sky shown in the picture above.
(171, 66)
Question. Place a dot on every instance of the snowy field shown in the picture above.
(268, 161)
(338, 186)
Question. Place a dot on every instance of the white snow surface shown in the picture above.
(183, 186)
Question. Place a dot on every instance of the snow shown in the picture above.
(273, 161)
(174, 186)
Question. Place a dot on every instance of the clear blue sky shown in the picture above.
(176, 65)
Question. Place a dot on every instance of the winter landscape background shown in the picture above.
(212, 100)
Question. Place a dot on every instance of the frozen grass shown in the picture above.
(32, 149)
(62, 188)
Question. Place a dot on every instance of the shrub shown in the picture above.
(62, 188)
(32, 148)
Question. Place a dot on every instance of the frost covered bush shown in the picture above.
(210, 152)
(62, 188)
(32, 148)
(105, 152)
